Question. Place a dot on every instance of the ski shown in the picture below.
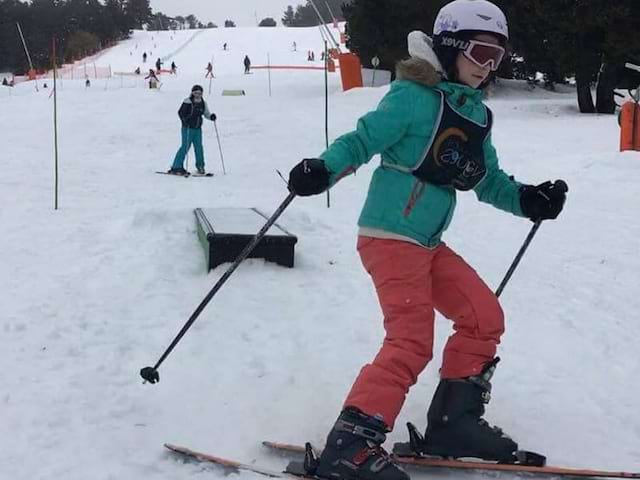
(433, 462)
(174, 174)
(293, 471)
(187, 174)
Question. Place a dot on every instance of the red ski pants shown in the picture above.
(412, 281)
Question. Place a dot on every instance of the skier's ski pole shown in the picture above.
(188, 146)
(560, 185)
(150, 374)
(224, 171)
(516, 261)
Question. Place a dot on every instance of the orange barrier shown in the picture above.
(636, 134)
(630, 127)
(288, 67)
(350, 71)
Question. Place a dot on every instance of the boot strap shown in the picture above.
(364, 432)
(365, 454)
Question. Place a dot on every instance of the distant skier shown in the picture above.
(153, 79)
(410, 203)
(190, 113)
(87, 83)
(224, 46)
(4, 82)
(144, 57)
(209, 73)
(247, 64)
(158, 65)
(295, 47)
(174, 68)
(137, 71)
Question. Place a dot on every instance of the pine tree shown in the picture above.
(138, 12)
(289, 17)
(267, 22)
(380, 27)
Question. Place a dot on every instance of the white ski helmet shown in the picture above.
(457, 23)
(471, 15)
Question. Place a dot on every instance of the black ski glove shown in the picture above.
(213, 117)
(309, 177)
(544, 201)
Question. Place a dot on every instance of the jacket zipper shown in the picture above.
(416, 193)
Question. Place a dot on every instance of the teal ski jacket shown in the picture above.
(399, 130)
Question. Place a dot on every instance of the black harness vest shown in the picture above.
(454, 156)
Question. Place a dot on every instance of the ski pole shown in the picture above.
(220, 147)
(188, 146)
(560, 185)
(516, 261)
(150, 374)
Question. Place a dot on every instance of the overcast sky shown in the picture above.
(242, 12)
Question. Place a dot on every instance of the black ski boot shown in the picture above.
(455, 424)
(178, 171)
(354, 450)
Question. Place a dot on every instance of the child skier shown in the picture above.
(434, 136)
(190, 113)
(209, 73)
(153, 80)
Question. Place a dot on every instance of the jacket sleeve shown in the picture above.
(498, 188)
(375, 132)
(207, 113)
(185, 111)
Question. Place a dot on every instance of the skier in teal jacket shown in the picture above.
(433, 133)
(191, 112)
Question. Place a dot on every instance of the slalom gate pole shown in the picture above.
(326, 108)
(55, 118)
(150, 374)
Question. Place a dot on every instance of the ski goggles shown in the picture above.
(484, 54)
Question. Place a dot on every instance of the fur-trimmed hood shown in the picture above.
(423, 65)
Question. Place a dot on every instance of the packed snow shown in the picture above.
(96, 290)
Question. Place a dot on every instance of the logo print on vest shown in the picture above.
(450, 150)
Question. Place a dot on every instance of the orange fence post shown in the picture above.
(630, 127)
(350, 71)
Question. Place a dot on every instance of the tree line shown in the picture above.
(81, 28)
(585, 41)
(305, 15)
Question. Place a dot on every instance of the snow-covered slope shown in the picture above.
(96, 290)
